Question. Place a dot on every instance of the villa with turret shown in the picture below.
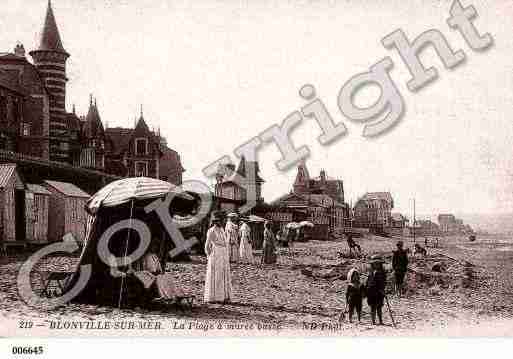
(34, 121)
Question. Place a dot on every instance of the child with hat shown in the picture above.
(376, 282)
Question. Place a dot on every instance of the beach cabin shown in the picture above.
(12, 207)
(66, 213)
(37, 201)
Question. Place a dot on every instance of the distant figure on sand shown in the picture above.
(353, 246)
(232, 234)
(218, 286)
(400, 266)
(291, 237)
(245, 250)
(269, 248)
(376, 282)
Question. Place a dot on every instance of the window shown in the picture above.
(64, 146)
(16, 110)
(3, 109)
(141, 146)
(141, 169)
(25, 129)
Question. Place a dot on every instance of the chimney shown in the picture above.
(19, 50)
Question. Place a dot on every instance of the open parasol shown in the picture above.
(253, 218)
(134, 188)
(306, 224)
(292, 225)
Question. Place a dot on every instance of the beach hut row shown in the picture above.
(38, 213)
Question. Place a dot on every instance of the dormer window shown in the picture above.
(25, 129)
(141, 146)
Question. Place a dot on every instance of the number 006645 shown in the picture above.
(27, 350)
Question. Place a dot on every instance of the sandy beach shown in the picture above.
(303, 294)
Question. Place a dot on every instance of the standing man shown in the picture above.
(218, 282)
(232, 236)
(400, 267)
(376, 282)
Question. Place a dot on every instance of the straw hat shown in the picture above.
(217, 216)
(376, 259)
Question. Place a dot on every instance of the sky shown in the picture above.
(213, 74)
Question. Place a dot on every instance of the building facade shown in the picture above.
(322, 184)
(449, 224)
(321, 200)
(374, 211)
(233, 183)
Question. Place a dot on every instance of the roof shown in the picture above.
(50, 37)
(118, 138)
(37, 189)
(170, 162)
(93, 126)
(446, 216)
(67, 189)
(321, 199)
(242, 170)
(288, 196)
(302, 176)
(10, 81)
(383, 196)
(6, 172)
(398, 217)
(73, 122)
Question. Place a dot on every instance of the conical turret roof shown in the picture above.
(93, 126)
(302, 177)
(50, 37)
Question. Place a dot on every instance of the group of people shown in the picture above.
(144, 281)
(231, 243)
(374, 287)
(287, 236)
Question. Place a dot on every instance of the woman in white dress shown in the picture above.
(232, 236)
(246, 251)
(218, 286)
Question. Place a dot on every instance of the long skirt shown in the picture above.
(269, 254)
(234, 252)
(158, 285)
(218, 286)
(246, 251)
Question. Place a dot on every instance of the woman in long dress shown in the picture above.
(218, 286)
(232, 237)
(246, 250)
(269, 249)
(156, 281)
(144, 280)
